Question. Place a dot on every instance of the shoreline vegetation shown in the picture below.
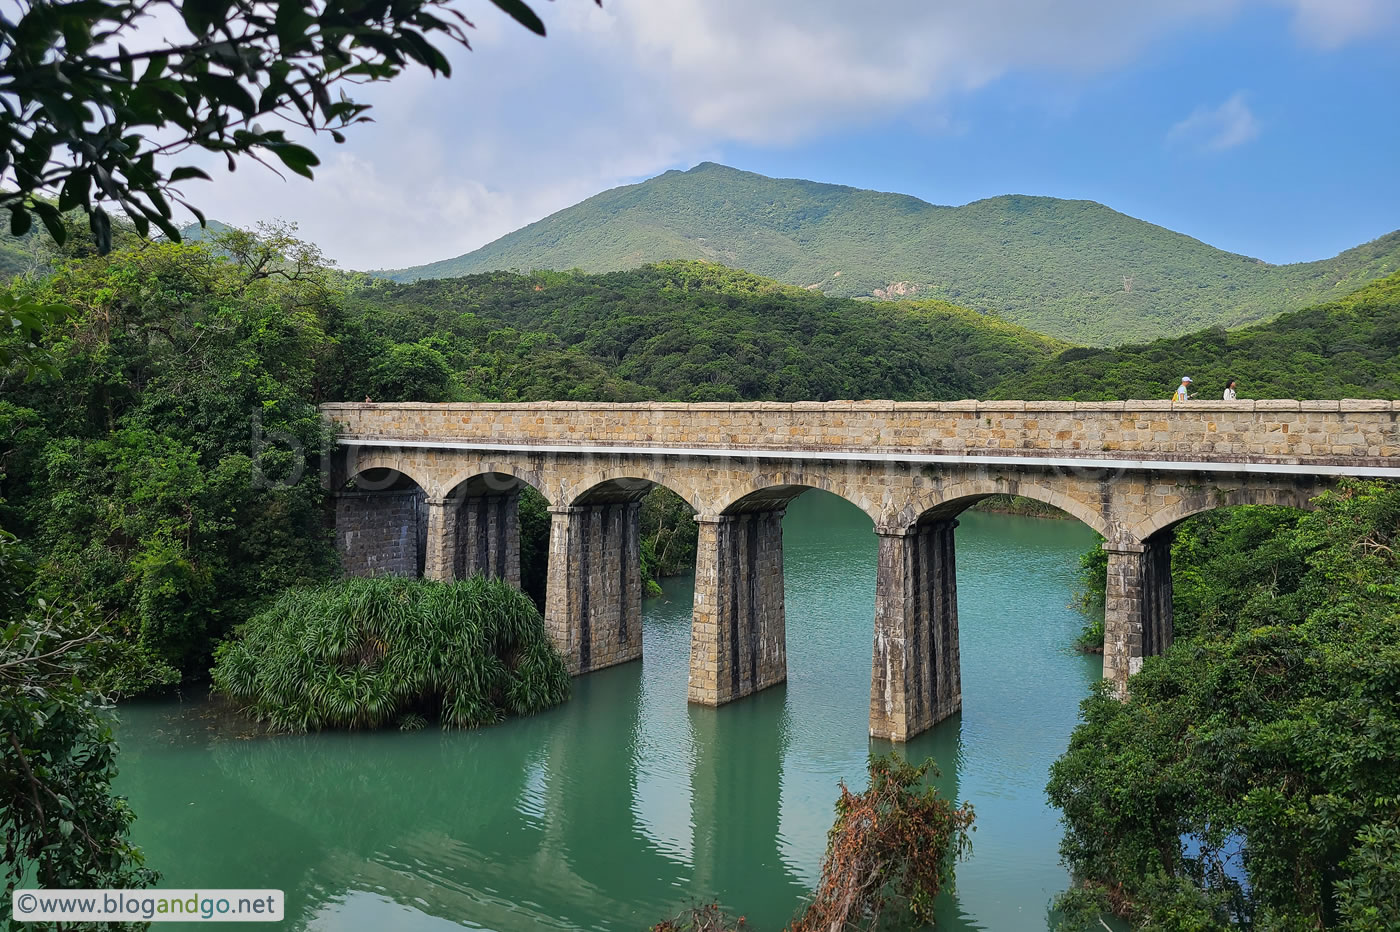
(1089, 598)
(1266, 733)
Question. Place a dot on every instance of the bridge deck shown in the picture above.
(1347, 437)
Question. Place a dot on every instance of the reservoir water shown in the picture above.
(624, 805)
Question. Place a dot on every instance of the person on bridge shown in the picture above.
(1230, 390)
(1183, 390)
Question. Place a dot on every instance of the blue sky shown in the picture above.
(1266, 127)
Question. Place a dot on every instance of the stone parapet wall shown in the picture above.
(1347, 433)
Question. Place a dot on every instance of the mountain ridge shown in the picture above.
(1074, 269)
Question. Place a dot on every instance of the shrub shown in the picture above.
(61, 825)
(895, 844)
(364, 653)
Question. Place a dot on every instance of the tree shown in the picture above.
(92, 109)
(1249, 780)
(60, 827)
(22, 326)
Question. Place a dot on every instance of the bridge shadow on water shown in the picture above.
(626, 804)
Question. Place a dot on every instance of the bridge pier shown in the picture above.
(488, 537)
(1137, 606)
(738, 644)
(593, 605)
(440, 544)
(916, 679)
(474, 536)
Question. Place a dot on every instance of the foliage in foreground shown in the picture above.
(205, 87)
(364, 653)
(1266, 736)
(893, 845)
(60, 824)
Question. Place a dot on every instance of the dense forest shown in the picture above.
(694, 331)
(1076, 270)
(166, 468)
(1349, 348)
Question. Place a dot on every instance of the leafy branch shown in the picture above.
(86, 123)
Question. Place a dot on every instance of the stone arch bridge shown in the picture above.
(432, 488)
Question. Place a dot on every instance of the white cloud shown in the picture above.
(527, 126)
(1214, 129)
(1333, 23)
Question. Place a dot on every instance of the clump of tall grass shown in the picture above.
(368, 653)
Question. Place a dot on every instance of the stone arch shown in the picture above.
(625, 483)
(1196, 501)
(459, 481)
(950, 501)
(773, 491)
(380, 518)
(369, 460)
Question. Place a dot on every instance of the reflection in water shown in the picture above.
(627, 804)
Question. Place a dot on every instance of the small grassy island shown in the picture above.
(368, 653)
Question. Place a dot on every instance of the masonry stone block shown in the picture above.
(377, 533)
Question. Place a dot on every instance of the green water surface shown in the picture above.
(626, 804)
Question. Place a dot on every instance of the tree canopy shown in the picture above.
(1349, 348)
(1249, 781)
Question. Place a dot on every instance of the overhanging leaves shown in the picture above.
(79, 127)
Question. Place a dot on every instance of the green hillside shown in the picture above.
(692, 331)
(1051, 265)
(1348, 348)
(22, 255)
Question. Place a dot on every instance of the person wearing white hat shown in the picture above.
(1182, 390)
